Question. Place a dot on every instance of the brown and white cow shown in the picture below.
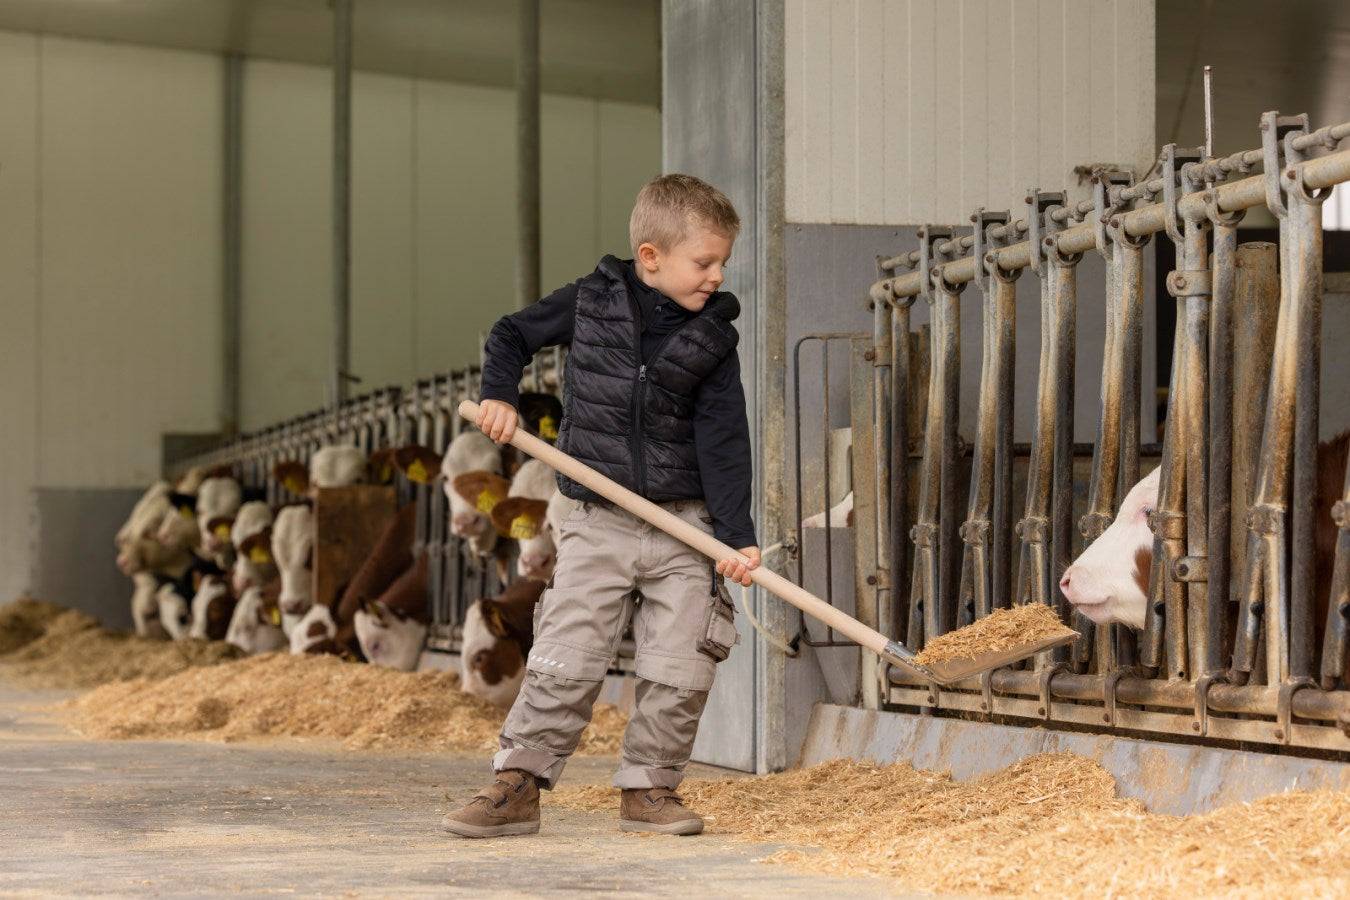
(212, 608)
(474, 485)
(391, 629)
(523, 515)
(255, 626)
(218, 501)
(292, 552)
(1111, 580)
(251, 537)
(498, 634)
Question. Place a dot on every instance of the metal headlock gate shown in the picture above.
(392, 417)
(1227, 652)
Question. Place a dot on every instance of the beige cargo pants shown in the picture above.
(613, 567)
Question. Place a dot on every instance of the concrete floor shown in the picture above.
(188, 818)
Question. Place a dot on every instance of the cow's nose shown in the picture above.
(1066, 581)
(479, 660)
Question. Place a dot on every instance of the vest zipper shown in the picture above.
(639, 388)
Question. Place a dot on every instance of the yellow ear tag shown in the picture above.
(487, 500)
(548, 429)
(186, 512)
(524, 527)
(260, 556)
(417, 472)
(386, 474)
(276, 615)
(293, 485)
(223, 532)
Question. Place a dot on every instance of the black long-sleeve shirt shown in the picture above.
(721, 434)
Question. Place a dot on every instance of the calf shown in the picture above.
(292, 551)
(255, 626)
(314, 632)
(474, 485)
(392, 629)
(212, 608)
(175, 596)
(498, 634)
(218, 500)
(1111, 581)
(251, 536)
(523, 515)
(145, 606)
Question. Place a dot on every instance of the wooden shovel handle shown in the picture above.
(704, 543)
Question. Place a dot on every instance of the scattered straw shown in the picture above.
(23, 621)
(1048, 825)
(1001, 630)
(277, 695)
(74, 652)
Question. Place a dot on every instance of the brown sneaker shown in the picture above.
(510, 805)
(656, 809)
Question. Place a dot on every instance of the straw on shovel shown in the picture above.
(894, 652)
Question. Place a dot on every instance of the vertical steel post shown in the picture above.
(901, 414)
(999, 295)
(1256, 306)
(342, 207)
(527, 153)
(1223, 284)
(232, 236)
(882, 407)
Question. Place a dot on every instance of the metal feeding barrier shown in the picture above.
(1227, 649)
(389, 418)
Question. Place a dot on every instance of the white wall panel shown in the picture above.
(19, 223)
(129, 257)
(913, 111)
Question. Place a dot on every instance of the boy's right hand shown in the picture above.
(497, 420)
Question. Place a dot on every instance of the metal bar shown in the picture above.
(1256, 305)
(882, 407)
(1005, 373)
(232, 235)
(1318, 173)
(1223, 284)
(947, 307)
(342, 207)
(901, 376)
(869, 494)
(1063, 278)
(527, 153)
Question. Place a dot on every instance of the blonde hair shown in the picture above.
(670, 206)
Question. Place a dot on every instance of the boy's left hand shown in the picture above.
(739, 571)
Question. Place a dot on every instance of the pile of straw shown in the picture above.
(318, 697)
(1050, 824)
(74, 652)
(1002, 630)
(23, 621)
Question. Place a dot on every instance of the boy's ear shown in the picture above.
(648, 256)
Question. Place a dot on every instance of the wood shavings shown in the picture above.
(23, 621)
(75, 652)
(1001, 630)
(277, 695)
(1048, 825)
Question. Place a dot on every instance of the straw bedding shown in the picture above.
(23, 621)
(319, 697)
(73, 651)
(1001, 630)
(1049, 825)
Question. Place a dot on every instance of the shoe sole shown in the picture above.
(681, 828)
(511, 829)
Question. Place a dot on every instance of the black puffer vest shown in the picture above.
(632, 422)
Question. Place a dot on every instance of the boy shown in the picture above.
(653, 400)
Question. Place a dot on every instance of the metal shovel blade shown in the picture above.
(954, 670)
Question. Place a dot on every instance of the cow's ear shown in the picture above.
(494, 620)
(197, 580)
(421, 465)
(293, 476)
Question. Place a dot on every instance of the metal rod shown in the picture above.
(527, 152)
(342, 212)
(1223, 285)
(1321, 172)
(901, 376)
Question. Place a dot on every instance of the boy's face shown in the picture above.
(688, 272)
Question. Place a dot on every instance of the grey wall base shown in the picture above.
(74, 563)
(1167, 778)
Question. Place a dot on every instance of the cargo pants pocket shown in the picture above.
(719, 629)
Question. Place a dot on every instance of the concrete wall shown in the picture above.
(913, 111)
(110, 199)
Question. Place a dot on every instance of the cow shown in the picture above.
(474, 485)
(523, 515)
(292, 551)
(175, 596)
(154, 544)
(212, 608)
(1111, 580)
(255, 626)
(218, 501)
(391, 629)
(252, 529)
(841, 515)
(145, 606)
(314, 632)
(498, 634)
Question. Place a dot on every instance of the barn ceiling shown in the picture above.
(598, 48)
